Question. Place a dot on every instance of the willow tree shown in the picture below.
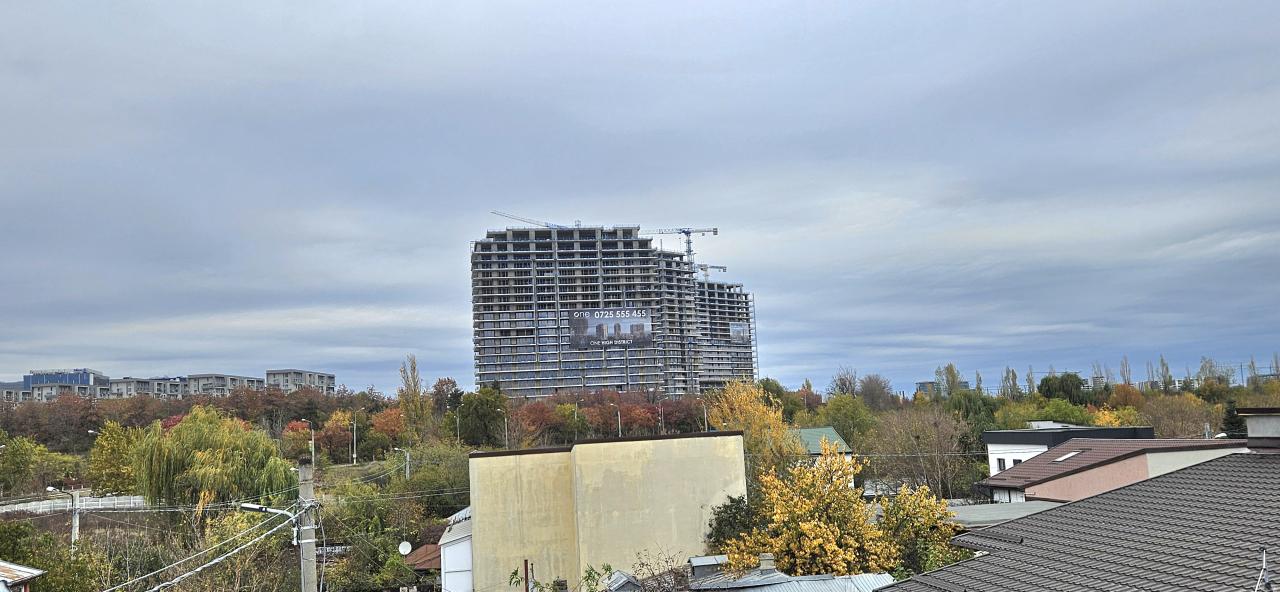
(207, 458)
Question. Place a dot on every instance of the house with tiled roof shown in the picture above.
(1083, 467)
(1202, 528)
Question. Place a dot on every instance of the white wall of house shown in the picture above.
(1010, 453)
(1159, 463)
(1000, 494)
(455, 565)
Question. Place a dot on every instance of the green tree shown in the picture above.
(731, 520)
(978, 412)
(481, 417)
(850, 417)
(1232, 424)
(17, 462)
(1063, 411)
(111, 460)
(209, 457)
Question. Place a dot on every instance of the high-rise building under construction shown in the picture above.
(558, 309)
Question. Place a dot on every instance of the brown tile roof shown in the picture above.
(1093, 452)
(424, 557)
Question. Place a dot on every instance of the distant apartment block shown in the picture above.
(47, 385)
(571, 309)
(221, 385)
(13, 393)
(156, 387)
(291, 380)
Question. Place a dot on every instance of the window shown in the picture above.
(1067, 455)
(1016, 461)
(1000, 466)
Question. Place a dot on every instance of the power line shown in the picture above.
(228, 554)
(181, 561)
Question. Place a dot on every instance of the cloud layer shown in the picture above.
(902, 185)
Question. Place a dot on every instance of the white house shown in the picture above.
(455, 553)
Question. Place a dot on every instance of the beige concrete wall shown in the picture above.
(653, 495)
(1159, 463)
(600, 503)
(522, 508)
(1091, 482)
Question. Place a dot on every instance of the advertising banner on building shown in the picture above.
(600, 328)
(739, 333)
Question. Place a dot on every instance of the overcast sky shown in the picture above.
(901, 184)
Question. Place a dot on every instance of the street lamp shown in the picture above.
(406, 462)
(312, 428)
(75, 513)
(619, 410)
(704, 414)
(353, 435)
(506, 434)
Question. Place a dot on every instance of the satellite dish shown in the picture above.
(405, 547)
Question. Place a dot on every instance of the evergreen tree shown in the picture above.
(1232, 424)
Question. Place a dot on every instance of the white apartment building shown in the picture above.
(221, 385)
(156, 387)
(290, 380)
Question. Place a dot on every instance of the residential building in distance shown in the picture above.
(1006, 448)
(156, 387)
(14, 393)
(47, 385)
(292, 379)
(1200, 528)
(221, 385)
(596, 502)
(455, 553)
(1084, 467)
(589, 308)
(812, 439)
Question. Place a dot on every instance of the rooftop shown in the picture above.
(550, 449)
(1079, 454)
(972, 516)
(812, 438)
(1199, 528)
(12, 573)
(1053, 436)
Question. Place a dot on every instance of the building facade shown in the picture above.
(292, 379)
(221, 385)
(47, 385)
(577, 309)
(596, 503)
(155, 387)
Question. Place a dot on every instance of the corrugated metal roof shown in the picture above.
(12, 573)
(456, 531)
(776, 581)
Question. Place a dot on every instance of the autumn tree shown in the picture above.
(1180, 416)
(920, 527)
(924, 445)
(877, 392)
(445, 395)
(390, 422)
(295, 441)
(1126, 395)
(845, 381)
(334, 437)
(1117, 417)
(414, 404)
(111, 468)
(768, 444)
(816, 522)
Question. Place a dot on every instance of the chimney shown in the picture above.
(766, 563)
(1263, 425)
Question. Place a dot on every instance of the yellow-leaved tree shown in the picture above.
(816, 522)
(769, 445)
(1120, 416)
(920, 527)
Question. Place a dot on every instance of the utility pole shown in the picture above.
(406, 462)
(307, 528)
(75, 513)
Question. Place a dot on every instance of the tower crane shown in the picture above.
(706, 270)
(527, 220)
(688, 237)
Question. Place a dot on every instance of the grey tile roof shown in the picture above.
(980, 515)
(1198, 529)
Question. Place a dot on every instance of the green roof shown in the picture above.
(812, 438)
